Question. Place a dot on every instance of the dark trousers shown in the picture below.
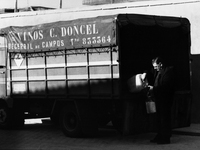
(163, 118)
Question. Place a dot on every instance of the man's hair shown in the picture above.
(158, 60)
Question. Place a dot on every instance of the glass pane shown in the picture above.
(19, 87)
(77, 73)
(99, 58)
(77, 60)
(55, 61)
(36, 74)
(56, 87)
(78, 87)
(100, 72)
(56, 73)
(37, 88)
(36, 62)
(18, 75)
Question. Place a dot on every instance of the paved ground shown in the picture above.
(44, 136)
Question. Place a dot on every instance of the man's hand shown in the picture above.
(150, 88)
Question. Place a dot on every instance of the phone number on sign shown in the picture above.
(93, 40)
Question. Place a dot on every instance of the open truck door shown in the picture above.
(141, 38)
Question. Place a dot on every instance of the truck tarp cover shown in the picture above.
(80, 33)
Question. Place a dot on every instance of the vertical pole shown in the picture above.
(60, 4)
(6, 63)
(16, 3)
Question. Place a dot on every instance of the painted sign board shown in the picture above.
(81, 33)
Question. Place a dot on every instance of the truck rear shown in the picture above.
(76, 72)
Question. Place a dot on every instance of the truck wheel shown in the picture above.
(5, 121)
(70, 123)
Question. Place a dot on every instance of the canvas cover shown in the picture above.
(81, 33)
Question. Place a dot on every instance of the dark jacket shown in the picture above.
(164, 89)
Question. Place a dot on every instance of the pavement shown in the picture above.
(192, 130)
(40, 134)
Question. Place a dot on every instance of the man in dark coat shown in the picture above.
(163, 92)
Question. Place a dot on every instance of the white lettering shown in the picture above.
(53, 44)
(82, 29)
(51, 32)
(41, 34)
(63, 31)
(18, 46)
(95, 30)
(69, 31)
(88, 29)
(76, 30)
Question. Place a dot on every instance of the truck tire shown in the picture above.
(70, 122)
(5, 117)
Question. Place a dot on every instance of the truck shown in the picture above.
(75, 70)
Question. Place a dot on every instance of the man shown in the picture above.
(163, 93)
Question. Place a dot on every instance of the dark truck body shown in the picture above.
(76, 72)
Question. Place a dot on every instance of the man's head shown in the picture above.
(158, 63)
